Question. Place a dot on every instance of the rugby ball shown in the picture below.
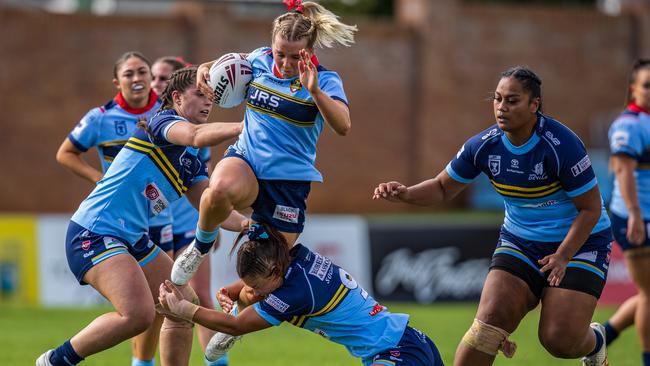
(229, 79)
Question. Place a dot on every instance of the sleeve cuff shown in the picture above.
(583, 189)
(77, 144)
(266, 316)
(166, 129)
(455, 176)
(340, 99)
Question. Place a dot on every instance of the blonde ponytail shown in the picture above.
(321, 27)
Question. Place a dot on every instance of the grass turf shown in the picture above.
(26, 332)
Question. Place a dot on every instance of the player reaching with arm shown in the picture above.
(555, 241)
(309, 291)
(107, 244)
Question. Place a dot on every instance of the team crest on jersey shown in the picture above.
(494, 163)
(295, 85)
(538, 172)
(120, 128)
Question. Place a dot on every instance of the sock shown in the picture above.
(223, 361)
(205, 239)
(136, 362)
(646, 358)
(610, 333)
(599, 343)
(65, 355)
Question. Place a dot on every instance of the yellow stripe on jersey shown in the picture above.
(513, 191)
(279, 116)
(282, 95)
(643, 166)
(336, 299)
(113, 143)
(108, 159)
(160, 160)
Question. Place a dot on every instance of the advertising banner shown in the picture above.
(18, 273)
(430, 263)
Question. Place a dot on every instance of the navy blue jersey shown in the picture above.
(146, 175)
(630, 135)
(536, 180)
(322, 297)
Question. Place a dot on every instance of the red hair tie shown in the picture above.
(295, 5)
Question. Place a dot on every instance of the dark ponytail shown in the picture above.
(265, 254)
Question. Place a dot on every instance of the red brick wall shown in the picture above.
(415, 93)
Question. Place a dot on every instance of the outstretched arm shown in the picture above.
(430, 192)
(247, 321)
(203, 135)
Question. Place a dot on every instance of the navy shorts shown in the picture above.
(85, 249)
(586, 271)
(162, 236)
(414, 349)
(619, 228)
(183, 239)
(280, 203)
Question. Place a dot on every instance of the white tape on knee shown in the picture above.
(489, 339)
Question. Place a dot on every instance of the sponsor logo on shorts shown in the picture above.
(166, 234)
(320, 266)
(587, 256)
(581, 166)
(285, 213)
(276, 303)
(85, 245)
(110, 242)
(395, 353)
(89, 254)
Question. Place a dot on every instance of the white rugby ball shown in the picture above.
(229, 79)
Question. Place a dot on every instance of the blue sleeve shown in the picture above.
(625, 139)
(462, 167)
(86, 133)
(203, 172)
(286, 302)
(205, 154)
(257, 53)
(332, 85)
(575, 171)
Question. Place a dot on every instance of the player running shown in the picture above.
(555, 240)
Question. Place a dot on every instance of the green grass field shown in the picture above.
(25, 332)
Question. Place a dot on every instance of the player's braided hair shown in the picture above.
(529, 81)
(639, 64)
(265, 254)
(320, 26)
(179, 81)
(127, 55)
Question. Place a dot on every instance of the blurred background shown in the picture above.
(418, 80)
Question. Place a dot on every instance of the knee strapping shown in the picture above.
(489, 339)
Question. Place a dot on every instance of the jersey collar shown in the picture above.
(119, 99)
(277, 74)
(633, 107)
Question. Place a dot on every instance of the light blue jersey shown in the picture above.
(630, 135)
(537, 180)
(108, 128)
(282, 123)
(321, 297)
(146, 176)
(185, 215)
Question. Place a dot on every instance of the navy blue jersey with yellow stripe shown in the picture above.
(537, 180)
(321, 297)
(629, 135)
(282, 122)
(108, 128)
(146, 176)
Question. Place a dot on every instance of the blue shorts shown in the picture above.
(586, 271)
(280, 203)
(619, 228)
(85, 249)
(162, 236)
(414, 349)
(183, 239)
